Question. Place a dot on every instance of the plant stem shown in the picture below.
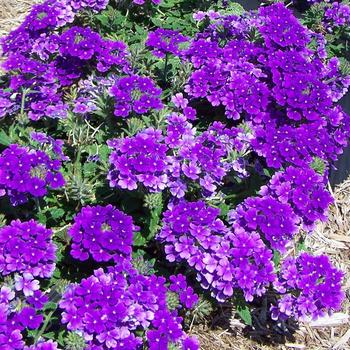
(165, 72)
(44, 326)
(37, 204)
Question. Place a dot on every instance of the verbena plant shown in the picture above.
(160, 158)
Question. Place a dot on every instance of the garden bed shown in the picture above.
(232, 323)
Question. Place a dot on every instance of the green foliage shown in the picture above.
(74, 341)
(344, 66)
(143, 265)
(202, 310)
(172, 300)
(318, 165)
(242, 308)
(276, 259)
(2, 220)
(154, 204)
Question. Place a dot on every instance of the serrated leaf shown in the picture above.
(49, 335)
(139, 240)
(4, 138)
(235, 9)
(41, 217)
(57, 213)
(50, 306)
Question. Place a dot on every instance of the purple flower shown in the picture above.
(103, 233)
(139, 159)
(26, 283)
(29, 319)
(275, 221)
(165, 41)
(32, 172)
(27, 248)
(192, 232)
(135, 93)
(43, 345)
(6, 294)
(311, 286)
(109, 307)
(188, 298)
(304, 190)
(12, 340)
(38, 299)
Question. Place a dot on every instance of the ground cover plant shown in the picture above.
(160, 158)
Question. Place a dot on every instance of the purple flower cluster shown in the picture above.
(186, 294)
(337, 15)
(223, 76)
(142, 2)
(109, 307)
(273, 220)
(25, 172)
(43, 345)
(45, 18)
(139, 159)
(310, 286)
(56, 146)
(43, 62)
(179, 158)
(10, 325)
(27, 248)
(299, 146)
(207, 158)
(102, 232)
(282, 88)
(21, 313)
(135, 94)
(166, 41)
(304, 191)
(7, 105)
(89, 91)
(87, 45)
(224, 260)
(280, 29)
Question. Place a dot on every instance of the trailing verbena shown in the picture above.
(158, 158)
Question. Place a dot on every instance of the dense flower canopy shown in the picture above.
(156, 159)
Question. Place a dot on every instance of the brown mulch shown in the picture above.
(332, 238)
(12, 13)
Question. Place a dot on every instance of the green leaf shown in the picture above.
(50, 306)
(267, 172)
(139, 240)
(276, 258)
(301, 246)
(57, 213)
(32, 332)
(50, 335)
(318, 165)
(4, 138)
(243, 310)
(235, 9)
(41, 217)
(224, 208)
